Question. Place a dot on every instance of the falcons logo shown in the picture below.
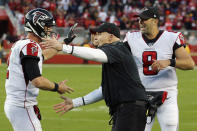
(34, 50)
(38, 15)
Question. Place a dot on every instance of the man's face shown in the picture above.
(99, 39)
(146, 25)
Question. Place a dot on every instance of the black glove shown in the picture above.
(70, 36)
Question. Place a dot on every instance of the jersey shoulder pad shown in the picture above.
(172, 32)
(31, 48)
(132, 35)
(181, 39)
(177, 37)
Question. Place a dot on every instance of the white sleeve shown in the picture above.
(126, 39)
(86, 53)
(180, 39)
(90, 98)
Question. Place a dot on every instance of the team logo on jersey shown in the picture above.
(182, 39)
(32, 49)
(38, 15)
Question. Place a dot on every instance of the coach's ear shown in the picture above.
(110, 37)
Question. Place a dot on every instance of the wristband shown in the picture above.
(68, 49)
(72, 50)
(172, 62)
(56, 87)
(66, 40)
(83, 101)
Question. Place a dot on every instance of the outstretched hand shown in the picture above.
(64, 106)
(64, 88)
(52, 43)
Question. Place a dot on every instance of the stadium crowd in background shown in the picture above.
(176, 14)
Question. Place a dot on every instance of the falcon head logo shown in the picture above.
(38, 15)
(34, 49)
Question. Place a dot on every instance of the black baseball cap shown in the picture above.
(149, 12)
(110, 28)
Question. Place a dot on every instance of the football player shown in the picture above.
(157, 54)
(24, 73)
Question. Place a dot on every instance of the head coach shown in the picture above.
(122, 89)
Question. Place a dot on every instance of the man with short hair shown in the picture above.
(24, 71)
(122, 89)
(157, 54)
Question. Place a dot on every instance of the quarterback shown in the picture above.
(24, 73)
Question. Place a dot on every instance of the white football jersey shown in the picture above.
(144, 55)
(20, 92)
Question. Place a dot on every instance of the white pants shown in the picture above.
(22, 119)
(167, 114)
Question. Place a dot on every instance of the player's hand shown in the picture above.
(64, 88)
(52, 43)
(64, 106)
(70, 36)
(160, 65)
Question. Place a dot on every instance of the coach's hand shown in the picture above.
(52, 43)
(70, 36)
(64, 88)
(64, 106)
(160, 65)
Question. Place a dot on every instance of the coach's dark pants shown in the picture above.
(130, 116)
